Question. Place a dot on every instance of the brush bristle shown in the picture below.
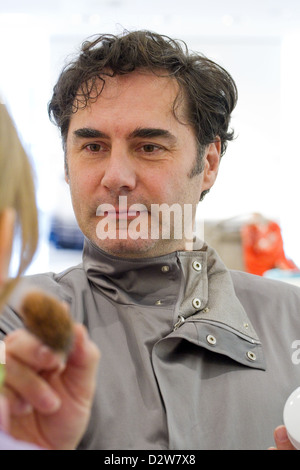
(48, 319)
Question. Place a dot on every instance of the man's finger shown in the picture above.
(25, 388)
(28, 349)
(80, 371)
(282, 440)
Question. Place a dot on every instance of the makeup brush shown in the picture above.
(48, 318)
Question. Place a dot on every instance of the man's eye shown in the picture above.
(150, 148)
(93, 147)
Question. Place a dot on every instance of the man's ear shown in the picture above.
(66, 177)
(7, 225)
(66, 169)
(211, 162)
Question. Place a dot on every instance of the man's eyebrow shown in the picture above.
(139, 132)
(152, 132)
(89, 132)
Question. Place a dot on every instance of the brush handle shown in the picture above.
(2, 375)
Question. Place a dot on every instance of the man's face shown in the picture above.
(128, 148)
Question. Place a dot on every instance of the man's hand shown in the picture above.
(281, 439)
(50, 401)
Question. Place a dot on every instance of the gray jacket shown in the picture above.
(192, 356)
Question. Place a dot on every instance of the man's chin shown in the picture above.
(140, 248)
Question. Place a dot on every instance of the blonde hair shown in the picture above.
(17, 191)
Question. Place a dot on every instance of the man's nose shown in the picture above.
(119, 173)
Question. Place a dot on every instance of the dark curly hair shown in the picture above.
(208, 89)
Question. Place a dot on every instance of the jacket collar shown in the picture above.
(196, 284)
(146, 281)
(221, 324)
(196, 281)
(214, 287)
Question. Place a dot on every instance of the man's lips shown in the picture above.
(122, 210)
(121, 214)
